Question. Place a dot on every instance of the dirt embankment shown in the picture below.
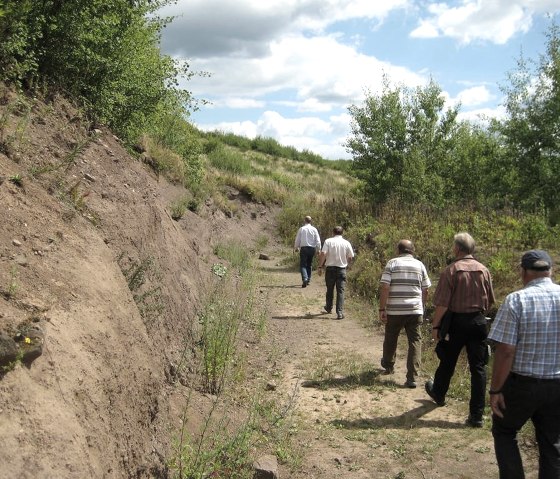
(76, 212)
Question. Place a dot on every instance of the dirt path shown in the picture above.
(368, 425)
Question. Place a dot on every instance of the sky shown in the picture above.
(289, 69)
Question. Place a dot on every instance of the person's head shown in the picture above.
(463, 244)
(338, 230)
(405, 247)
(535, 263)
(307, 220)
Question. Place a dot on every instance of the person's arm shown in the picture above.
(424, 298)
(322, 259)
(296, 242)
(436, 320)
(383, 297)
(503, 360)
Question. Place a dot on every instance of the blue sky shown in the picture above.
(289, 69)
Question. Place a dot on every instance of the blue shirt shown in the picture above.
(529, 319)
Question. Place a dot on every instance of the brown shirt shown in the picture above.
(465, 286)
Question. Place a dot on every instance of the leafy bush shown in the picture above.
(105, 53)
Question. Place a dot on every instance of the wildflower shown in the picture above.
(27, 340)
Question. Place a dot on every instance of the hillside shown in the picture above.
(102, 301)
(85, 227)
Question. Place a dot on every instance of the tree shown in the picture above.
(104, 53)
(531, 132)
(400, 141)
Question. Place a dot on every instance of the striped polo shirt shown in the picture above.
(529, 319)
(406, 277)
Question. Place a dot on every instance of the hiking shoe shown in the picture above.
(429, 386)
(326, 310)
(304, 284)
(410, 384)
(473, 422)
(340, 316)
(388, 369)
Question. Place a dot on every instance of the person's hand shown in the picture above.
(497, 404)
(320, 271)
(383, 316)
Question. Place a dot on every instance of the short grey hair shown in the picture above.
(464, 242)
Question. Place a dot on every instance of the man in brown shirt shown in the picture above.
(463, 295)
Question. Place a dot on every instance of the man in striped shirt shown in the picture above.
(526, 375)
(403, 294)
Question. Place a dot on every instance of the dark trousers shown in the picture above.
(528, 398)
(466, 330)
(306, 254)
(335, 276)
(411, 324)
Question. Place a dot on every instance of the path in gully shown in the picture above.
(373, 427)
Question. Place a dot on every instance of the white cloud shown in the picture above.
(244, 28)
(474, 96)
(311, 59)
(482, 115)
(322, 73)
(240, 103)
(473, 20)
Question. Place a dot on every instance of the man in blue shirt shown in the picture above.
(307, 242)
(526, 375)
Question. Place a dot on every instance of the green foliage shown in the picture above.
(230, 304)
(220, 451)
(230, 160)
(267, 146)
(501, 237)
(104, 53)
(530, 131)
(16, 179)
(400, 140)
(406, 146)
(235, 253)
(219, 327)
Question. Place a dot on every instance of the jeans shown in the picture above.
(411, 324)
(466, 330)
(306, 254)
(528, 398)
(335, 276)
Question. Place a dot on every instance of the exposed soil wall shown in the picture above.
(96, 402)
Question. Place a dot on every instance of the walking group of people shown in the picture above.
(525, 336)
(334, 258)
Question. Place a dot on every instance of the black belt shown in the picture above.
(466, 315)
(336, 267)
(531, 379)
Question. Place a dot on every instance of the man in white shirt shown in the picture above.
(307, 242)
(336, 254)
